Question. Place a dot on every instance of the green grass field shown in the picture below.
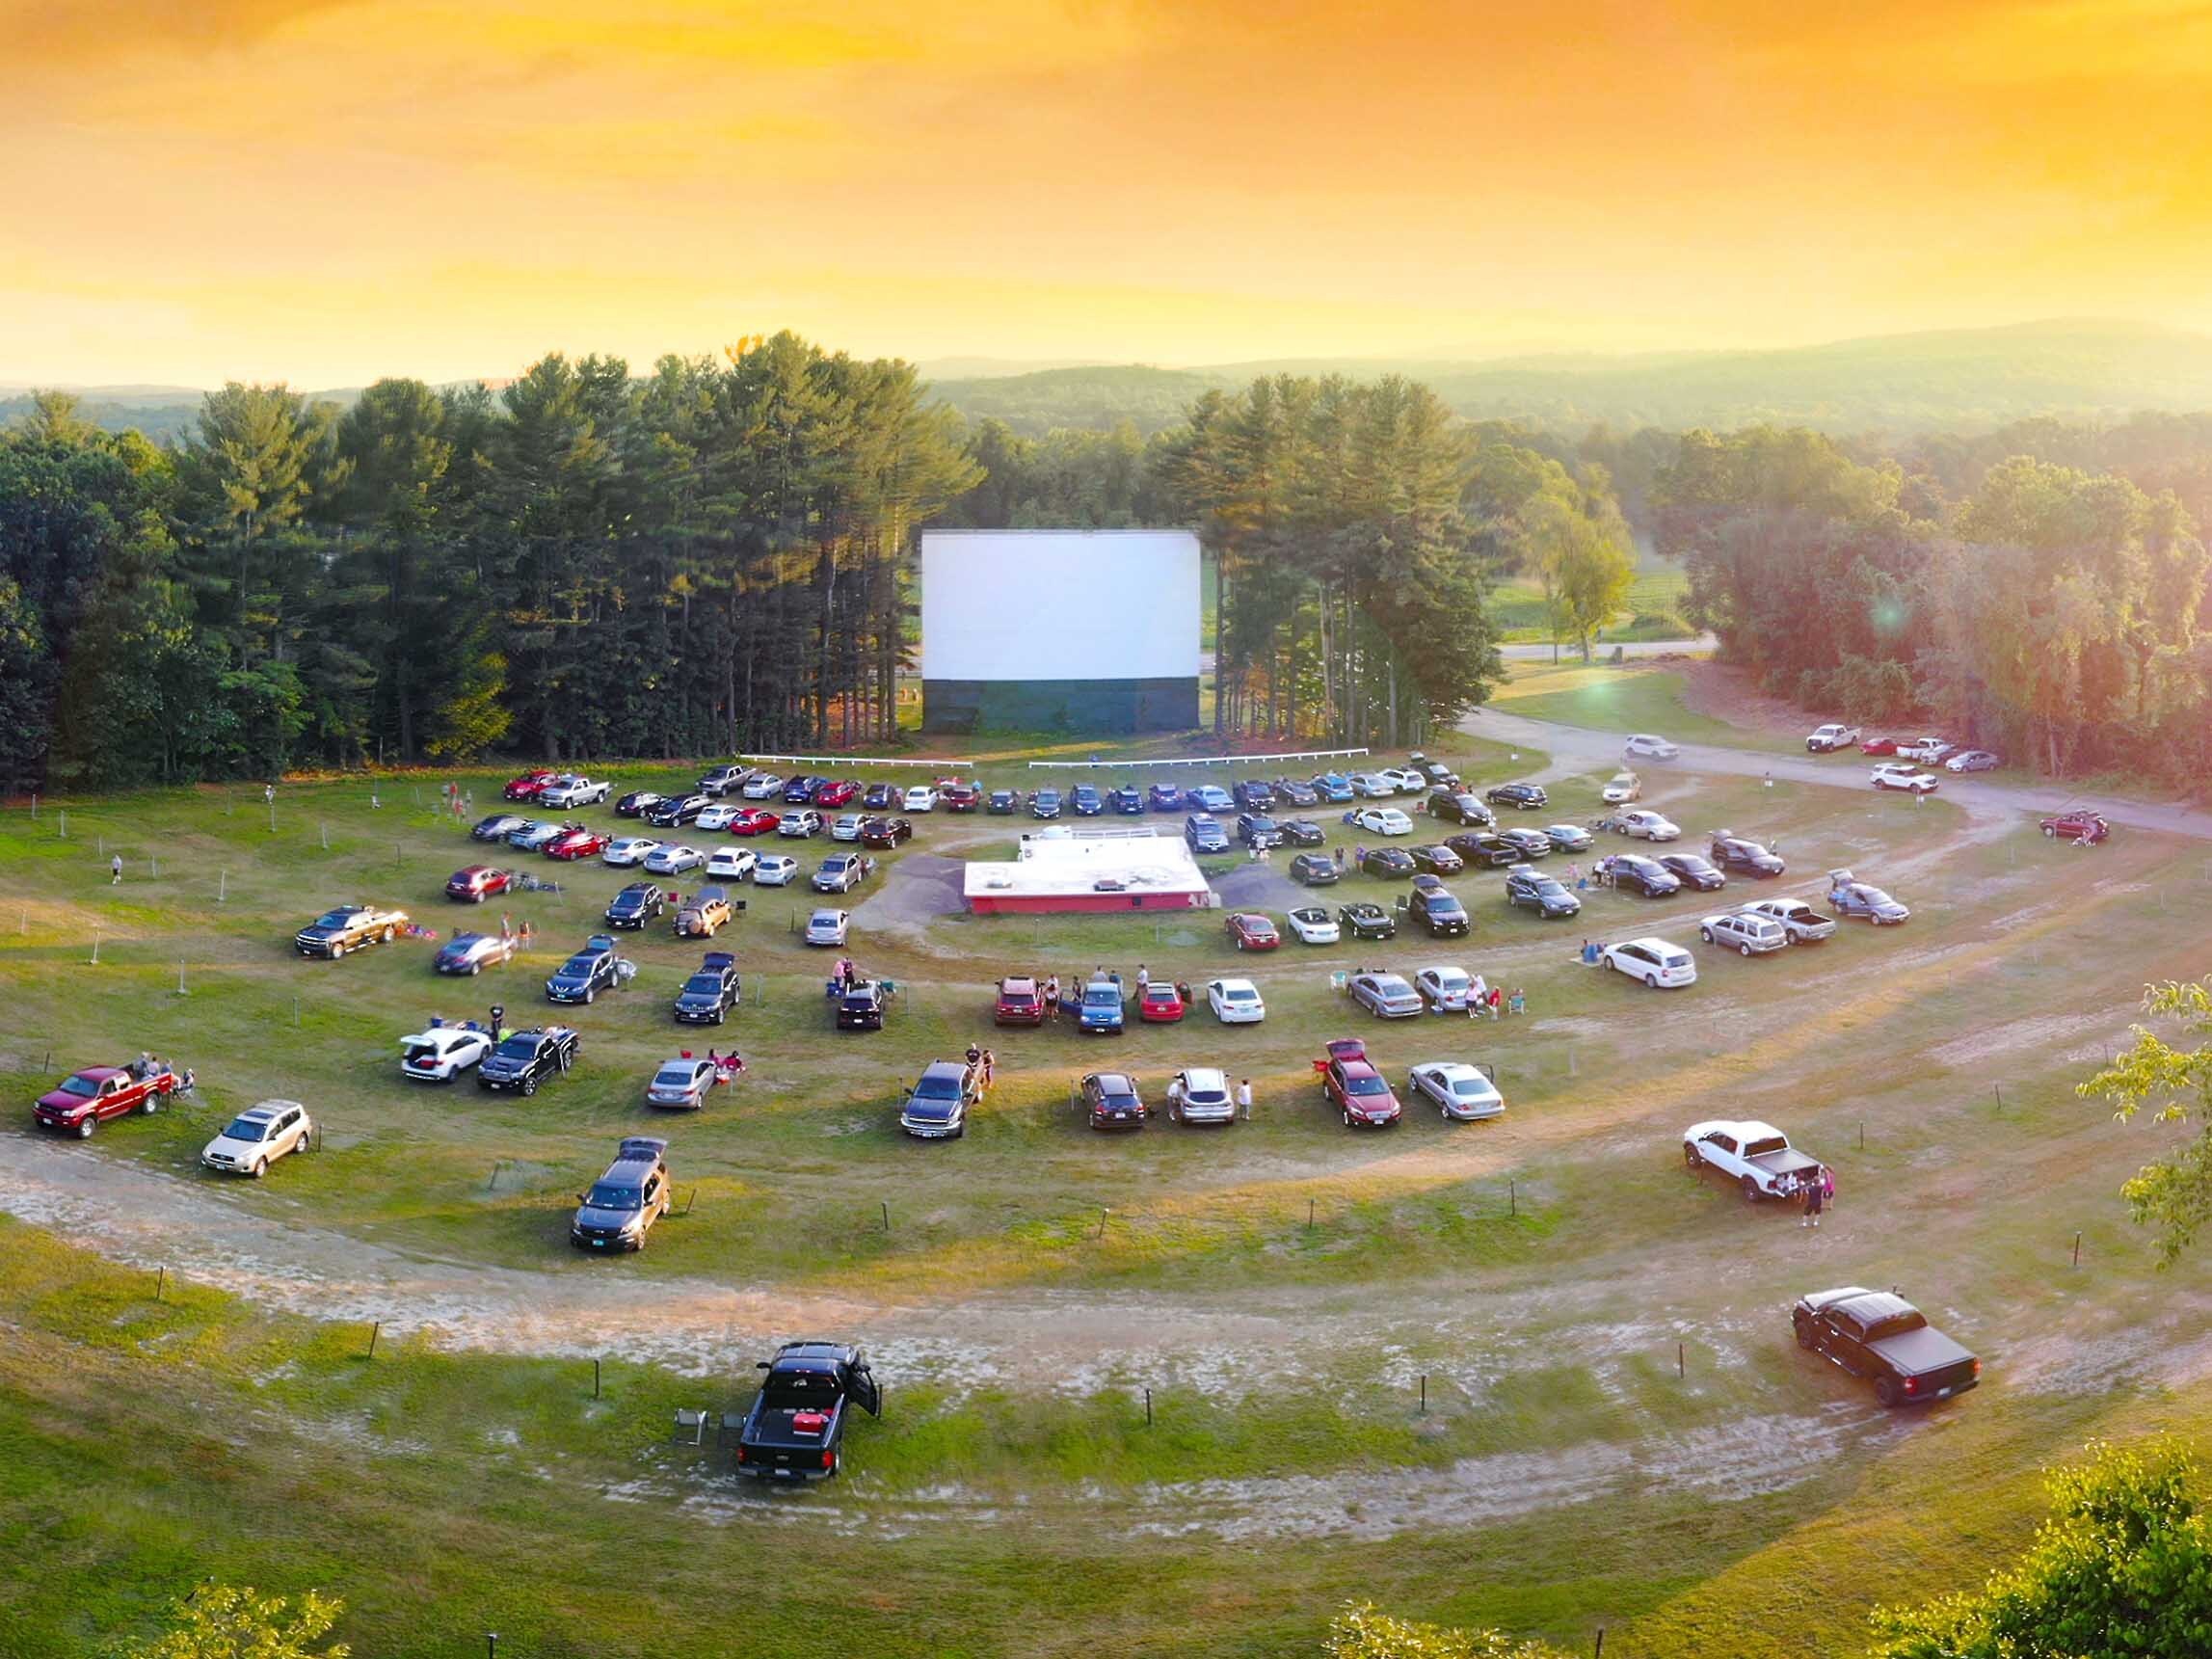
(1653, 610)
(1285, 1290)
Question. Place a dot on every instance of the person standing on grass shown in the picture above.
(1143, 978)
(114, 871)
(1497, 1002)
(1340, 861)
(1245, 1100)
(989, 1068)
(1814, 1202)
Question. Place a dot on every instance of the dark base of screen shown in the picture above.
(1080, 708)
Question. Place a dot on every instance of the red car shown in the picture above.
(960, 797)
(2081, 825)
(835, 793)
(1879, 746)
(576, 841)
(1248, 932)
(529, 785)
(1343, 1049)
(1019, 1002)
(477, 883)
(1162, 1003)
(754, 821)
(1359, 1093)
(97, 1093)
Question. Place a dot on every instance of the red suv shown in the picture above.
(1020, 1003)
(836, 794)
(529, 785)
(477, 883)
(1359, 1093)
(576, 841)
(959, 797)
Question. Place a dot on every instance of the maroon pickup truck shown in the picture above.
(90, 1097)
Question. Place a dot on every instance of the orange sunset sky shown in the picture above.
(326, 191)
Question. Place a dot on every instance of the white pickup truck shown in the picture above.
(1757, 1156)
(1835, 735)
(1798, 919)
(573, 791)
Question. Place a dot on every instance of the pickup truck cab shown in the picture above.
(624, 1202)
(1878, 1334)
(349, 927)
(1757, 1157)
(1099, 1012)
(796, 1427)
(1835, 735)
(89, 1098)
(1746, 932)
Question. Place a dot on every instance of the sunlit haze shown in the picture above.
(326, 192)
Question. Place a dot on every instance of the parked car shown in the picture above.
(1357, 1091)
(1547, 895)
(919, 798)
(636, 904)
(1568, 838)
(1633, 872)
(1314, 870)
(258, 1137)
(473, 953)
(1748, 932)
(731, 862)
(2080, 825)
(1160, 1004)
(1099, 1007)
(570, 791)
(1235, 1002)
(1910, 779)
(1386, 995)
(937, 1105)
(832, 794)
(1300, 832)
(959, 797)
(800, 790)
(89, 1098)
(1444, 988)
(802, 825)
(1439, 912)
(1333, 787)
(1127, 799)
(1532, 844)
(676, 811)
(682, 1085)
(1210, 798)
(498, 827)
(1697, 873)
(671, 858)
(477, 883)
(1849, 897)
(1249, 930)
(1200, 1094)
(719, 817)
(884, 834)
(1621, 788)
(629, 851)
(1404, 779)
(1459, 1092)
(846, 826)
(1457, 806)
(443, 1052)
(880, 798)
(709, 994)
(594, 969)
(1045, 803)
(795, 1428)
(622, 1205)
(763, 787)
(637, 803)
(1379, 820)
(1205, 833)
(1483, 849)
(862, 1006)
(349, 927)
(1365, 920)
(754, 821)
(1291, 792)
(536, 834)
(1313, 926)
(775, 869)
(1019, 1002)
(841, 872)
(726, 780)
(1644, 746)
(1641, 823)
(1878, 1334)
(1257, 830)
(1835, 734)
(1928, 750)
(574, 842)
(1003, 802)
(1879, 746)
(1390, 863)
(1732, 851)
(829, 926)
(528, 785)
(1438, 860)
(523, 1059)
(1111, 1101)
(1805, 924)
(1163, 798)
(1971, 761)
(1757, 1157)
(1086, 801)
(1527, 797)
(1653, 962)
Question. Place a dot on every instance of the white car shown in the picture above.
(674, 858)
(828, 926)
(630, 849)
(775, 869)
(1235, 1002)
(1752, 933)
(571, 791)
(443, 1052)
(1372, 785)
(920, 798)
(1890, 776)
(1444, 989)
(1200, 1094)
(1404, 779)
(1313, 926)
(718, 816)
(1643, 747)
(1652, 961)
(845, 826)
(1625, 787)
(1457, 1090)
(682, 1083)
(764, 786)
(1380, 820)
(731, 863)
(258, 1137)
(1644, 824)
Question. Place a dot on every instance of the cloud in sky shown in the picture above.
(328, 189)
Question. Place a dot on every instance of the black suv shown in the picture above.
(636, 904)
(1632, 871)
(1258, 829)
(1291, 792)
(1527, 796)
(1460, 808)
(1733, 852)
(862, 1005)
(624, 1202)
(1255, 794)
(594, 969)
(1545, 895)
(1438, 911)
(1314, 868)
(671, 814)
(526, 1058)
(709, 994)
(1393, 863)
(1300, 832)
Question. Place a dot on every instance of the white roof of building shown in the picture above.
(1066, 861)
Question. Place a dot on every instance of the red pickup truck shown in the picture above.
(97, 1093)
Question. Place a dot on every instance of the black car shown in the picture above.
(1733, 852)
(585, 974)
(1086, 801)
(1045, 804)
(1456, 806)
(1438, 861)
(1163, 798)
(1127, 799)
(862, 1005)
(1435, 771)
(1291, 792)
(1438, 911)
(1530, 844)
(709, 994)
(498, 827)
(636, 904)
(885, 833)
(526, 1058)
(879, 798)
(1393, 863)
(1527, 796)
(1878, 1334)
(676, 811)
(1003, 802)
(1633, 872)
(637, 803)
(1314, 868)
(1694, 871)
(1254, 794)
(1111, 1101)
(1545, 895)
(1300, 832)
(1486, 851)
(1365, 920)
(1258, 829)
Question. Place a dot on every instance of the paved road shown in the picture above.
(1577, 749)
(1633, 648)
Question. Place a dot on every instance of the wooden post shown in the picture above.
(1148, 1407)
(161, 1282)
(1681, 1368)
(95, 949)
(1599, 1651)
(375, 1331)
(1309, 1215)
(1998, 1090)
(1103, 1214)
(1513, 1198)
(2077, 1250)
(222, 885)
(693, 1200)
(1862, 1134)
(594, 1377)
(886, 1202)
(1425, 1394)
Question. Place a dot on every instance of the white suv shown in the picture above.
(258, 1137)
(731, 863)
(443, 1052)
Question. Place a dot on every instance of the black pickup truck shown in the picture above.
(796, 1427)
(1879, 1335)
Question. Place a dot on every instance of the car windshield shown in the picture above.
(332, 919)
(1443, 904)
(703, 984)
(673, 1076)
(614, 1196)
(1366, 1085)
(576, 967)
(519, 1049)
(80, 1086)
(939, 1088)
(246, 1128)
(1102, 996)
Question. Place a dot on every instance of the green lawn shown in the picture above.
(1656, 595)
(1633, 697)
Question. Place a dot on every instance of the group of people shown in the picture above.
(727, 1067)
(1814, 1191)
(1483, 999)
(982, 1068)
(510, 934)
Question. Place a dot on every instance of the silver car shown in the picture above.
(1386, 995)
(828, 926)
(674, 859)
(1200, 1094)
(682, 1085)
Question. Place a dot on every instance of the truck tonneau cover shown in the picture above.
(1788, 1162)
(1917, 1352)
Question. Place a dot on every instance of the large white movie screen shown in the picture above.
(1059, 604)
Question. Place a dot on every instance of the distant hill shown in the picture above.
(1151, 398)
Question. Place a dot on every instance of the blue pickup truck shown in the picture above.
(796, 1428)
